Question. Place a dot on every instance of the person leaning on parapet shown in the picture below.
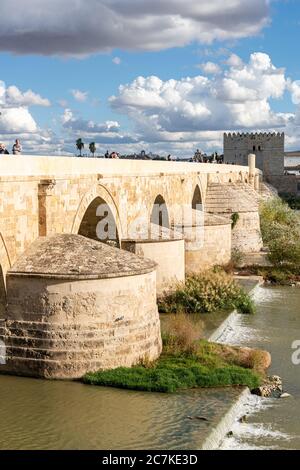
(17, 148)
(3, 150)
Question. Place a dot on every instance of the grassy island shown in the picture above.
(187, 362)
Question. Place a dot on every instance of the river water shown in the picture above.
(272, 423)
(37, 414)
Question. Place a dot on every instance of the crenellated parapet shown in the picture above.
(267, 146)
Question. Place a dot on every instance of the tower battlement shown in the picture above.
(252, 135)
(267, 146)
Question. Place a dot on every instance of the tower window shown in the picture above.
(254, 148)
(259, 148)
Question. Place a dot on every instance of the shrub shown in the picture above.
(280, 227)
(207, 292)
(234, 218)
(180, 335)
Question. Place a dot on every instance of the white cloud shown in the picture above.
(210, 68)
(15, 116)
(15, 97)
(39, 27)
(234, 61)
(11, 97)
(16, 120)
(13, 120)
(79, 95)
(294, 88)
(116, 60)
(108, 132)
(77, 124)
(181, 112)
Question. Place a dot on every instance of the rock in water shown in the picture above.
(285, 395)
(271, 388)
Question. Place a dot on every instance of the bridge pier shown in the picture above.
(166, 248)
(76, 305)
(207, 242)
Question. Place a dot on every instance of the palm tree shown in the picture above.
(92, 148)
(79, 145)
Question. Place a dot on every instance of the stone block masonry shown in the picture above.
(85, 308)
(65, 318)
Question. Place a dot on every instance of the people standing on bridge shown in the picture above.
(17, 148)
(3, 150)
(114, 155)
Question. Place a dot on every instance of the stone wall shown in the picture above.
(45, 195)
(62, 329)
(268, 148)
(286, 183)
(216, 249)
(242, 200)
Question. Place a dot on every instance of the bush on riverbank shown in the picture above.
(207, 292)
(186, 362)
(280, 227)
(181, 335)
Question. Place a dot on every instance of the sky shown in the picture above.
(167, 76)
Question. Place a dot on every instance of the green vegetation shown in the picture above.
(235, 218)
(280, 227)
(93, 148)
(171, 373)
(207, 292)
(186, 362)
(80, 146)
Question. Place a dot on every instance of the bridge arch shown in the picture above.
(197, 202)
(160, 213)
(97, 216)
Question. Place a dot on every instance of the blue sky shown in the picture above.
(230, 65)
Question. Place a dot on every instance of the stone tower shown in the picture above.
(268, 148)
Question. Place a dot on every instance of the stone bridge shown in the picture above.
(44, 196)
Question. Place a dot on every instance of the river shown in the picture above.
(272, 423)
(37, 414)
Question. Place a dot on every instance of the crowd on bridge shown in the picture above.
(16, 148)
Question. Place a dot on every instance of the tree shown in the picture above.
(92, 148)
(79, 145)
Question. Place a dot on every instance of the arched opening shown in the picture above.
(160, 214)
(197, 199)
(99, 223)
